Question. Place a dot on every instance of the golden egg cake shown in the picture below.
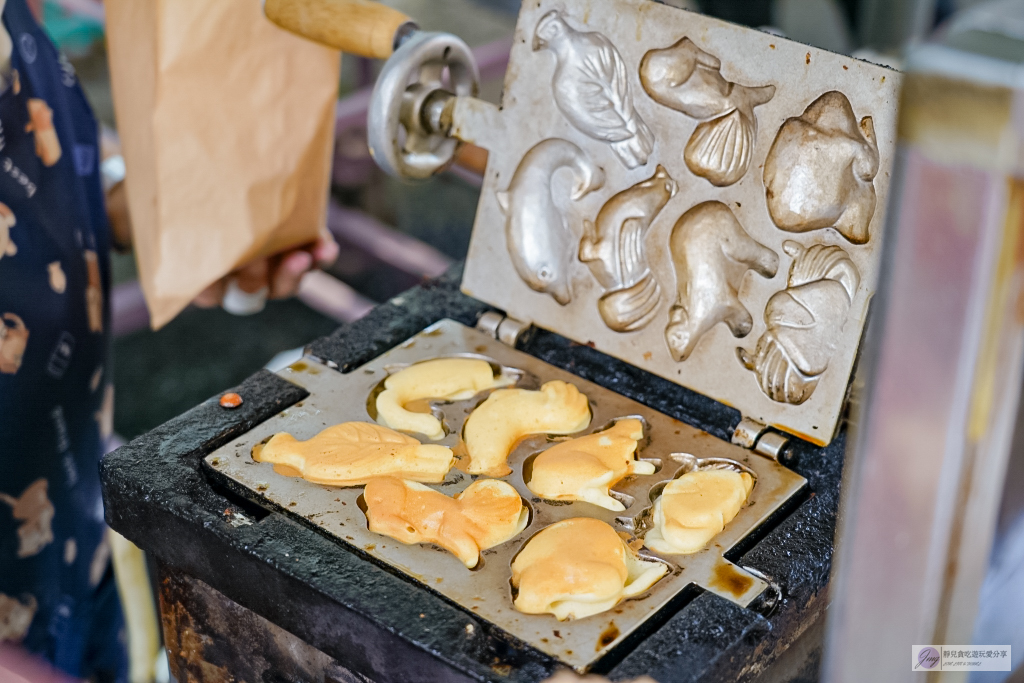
(585, 468)
(352, 453)
(579, 567)
(443, 379)
(510, 415)
(488, 513)
(695, 508)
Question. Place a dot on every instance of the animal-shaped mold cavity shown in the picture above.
(613, 248)
(804, 323)
(537, 230)
(487, 513)
(820, 170)
(591, 88)
(711, 253)
(694, 506)
(585, 468)
(577, 568)
(402, 401)
(688, 79)
(509, 415)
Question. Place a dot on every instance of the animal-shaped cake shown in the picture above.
(509, 415)
(445, 379)
(695, 508)
(585, 468)
(579, 567)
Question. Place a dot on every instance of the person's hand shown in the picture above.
(279, 274)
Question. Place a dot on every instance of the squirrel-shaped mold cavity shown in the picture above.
(688, 79)
(537, 231)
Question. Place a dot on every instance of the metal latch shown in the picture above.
(508, 331)
(756, 436)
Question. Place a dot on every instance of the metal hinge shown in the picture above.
(508, 331)
(756, 436)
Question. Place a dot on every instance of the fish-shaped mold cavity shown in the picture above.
(711, 252)
(820, 170)
(591, 88)
(613, 247)
(577, 568)
(695, 508)
(537, 231)
(804, 323)
(510, 415)
(585, 468)
(352, 453)
(444, 379)
(487, 513)
(687, 79)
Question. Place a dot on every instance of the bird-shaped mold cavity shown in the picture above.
(592, 90)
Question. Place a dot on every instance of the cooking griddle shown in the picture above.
(673, 446)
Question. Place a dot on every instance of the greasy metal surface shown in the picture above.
(750, 283)
(485, 592)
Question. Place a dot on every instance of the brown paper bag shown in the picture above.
(226, 124)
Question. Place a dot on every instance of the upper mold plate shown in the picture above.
(745, 104)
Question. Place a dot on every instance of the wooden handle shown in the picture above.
(359, 27)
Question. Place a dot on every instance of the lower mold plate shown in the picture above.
(485, 592)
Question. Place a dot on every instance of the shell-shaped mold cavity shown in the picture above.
(613, 248)
(688, 79)
(711, 252)
(820, 170)
(591, 88)
(805, 323)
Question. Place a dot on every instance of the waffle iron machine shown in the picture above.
(681, 217)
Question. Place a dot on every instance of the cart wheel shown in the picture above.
(406, 134)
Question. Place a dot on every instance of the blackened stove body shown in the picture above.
(253, 593)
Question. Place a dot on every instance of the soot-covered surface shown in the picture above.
(385, 627)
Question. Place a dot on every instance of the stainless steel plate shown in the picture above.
(486, 592)
(702, 200)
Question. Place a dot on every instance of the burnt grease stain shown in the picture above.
(730, 581)
(607, 636)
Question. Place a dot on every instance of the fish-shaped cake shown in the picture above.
(352, 453)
